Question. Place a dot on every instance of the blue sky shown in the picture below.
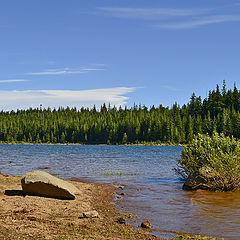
(85, 52)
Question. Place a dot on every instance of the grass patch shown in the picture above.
(194, 237)
(121, 173)
(127, 215)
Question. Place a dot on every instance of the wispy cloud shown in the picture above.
(56, 72)
(93, 69)
(237, 3)
(14, 80)
(12, 100)
(98, 64)
(66, 71)
(173, 18)
(200, 22)
(150, 13)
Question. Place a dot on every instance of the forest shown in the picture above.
(218, 112)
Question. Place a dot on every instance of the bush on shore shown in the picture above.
(218, 155)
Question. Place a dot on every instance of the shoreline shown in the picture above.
(32, 217)
(99, 144)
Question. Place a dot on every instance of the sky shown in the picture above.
(84, 52)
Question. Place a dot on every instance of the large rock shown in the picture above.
(40, 183)
(205, 179)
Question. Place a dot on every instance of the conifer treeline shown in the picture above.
(220, 112)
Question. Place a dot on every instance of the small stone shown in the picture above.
(122, 194)
(90, 214)
(121, 220)
(31, 218)
(120, 187)
(42, 168)
(24, 210)
(138, 190)
(146, 224)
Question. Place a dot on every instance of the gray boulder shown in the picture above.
(40, 183)
(206, 179)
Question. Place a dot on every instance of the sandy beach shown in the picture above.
(32, 217)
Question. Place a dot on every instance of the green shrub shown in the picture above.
(218, 153)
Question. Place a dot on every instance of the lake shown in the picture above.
(153, 189)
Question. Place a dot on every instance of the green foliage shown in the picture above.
(125, 138)
(137, 125)
(218, 153)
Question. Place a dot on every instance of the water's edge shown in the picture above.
(153, 190)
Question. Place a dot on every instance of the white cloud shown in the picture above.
(93, 69)
(98, 64)
(12, 100)
(14, 80)
(200, 22)
(54, 72)
(237, 3)
(66, 71)
(172, 18)
(150, 13)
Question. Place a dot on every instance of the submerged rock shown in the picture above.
(205, 179)
(44, 168)
(40, 183)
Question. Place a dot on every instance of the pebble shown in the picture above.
(121, 220)
(31, 218)
(90, 214)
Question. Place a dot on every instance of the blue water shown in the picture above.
(153, 189)
(100, 162)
